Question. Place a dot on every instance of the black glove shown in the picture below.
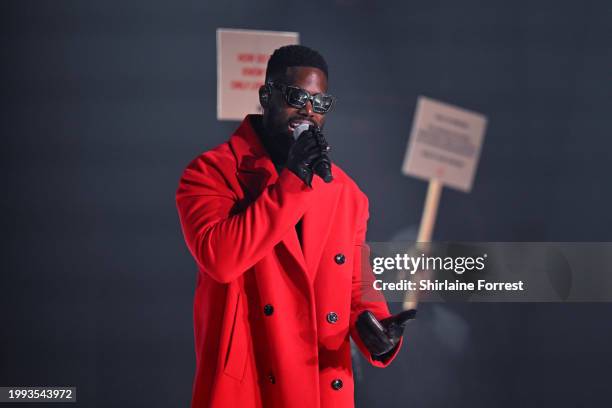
(381, 337)
(307, 150)
(322, 165)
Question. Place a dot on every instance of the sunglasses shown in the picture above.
(297, 97)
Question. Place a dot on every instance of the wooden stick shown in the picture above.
(428, 222)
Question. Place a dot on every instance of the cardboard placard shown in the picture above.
(445, 144)
(242, 56)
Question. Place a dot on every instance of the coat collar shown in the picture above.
(256, 171)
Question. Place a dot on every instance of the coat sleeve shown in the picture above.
(226, 244)
(363, 296)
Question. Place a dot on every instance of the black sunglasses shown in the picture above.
(298, 97)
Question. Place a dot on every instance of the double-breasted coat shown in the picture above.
(273, 314)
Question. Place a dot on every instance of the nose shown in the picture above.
(307, 109)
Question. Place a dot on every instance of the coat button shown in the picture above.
(336, 384)
(268, 309)
(332, 317)
(339, 258)
(271, 379)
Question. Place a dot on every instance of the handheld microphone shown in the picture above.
(322, 166)
(299, 130)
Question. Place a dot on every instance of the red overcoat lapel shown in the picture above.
(256, 171)
(318, 222)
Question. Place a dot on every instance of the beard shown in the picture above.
(278, 145)
(277, 140)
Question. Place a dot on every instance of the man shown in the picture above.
(279, 251)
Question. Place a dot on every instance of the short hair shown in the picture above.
(293, 56)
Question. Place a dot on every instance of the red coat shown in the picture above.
(272, 316)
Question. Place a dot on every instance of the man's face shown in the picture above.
(279, 118)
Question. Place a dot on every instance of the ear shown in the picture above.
(265, 92)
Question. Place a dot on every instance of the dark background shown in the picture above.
(105, 102)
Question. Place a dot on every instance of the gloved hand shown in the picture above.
(381, 337)
(322, 165)
(307, 150)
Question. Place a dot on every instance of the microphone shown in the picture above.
(321, 167)
(299, 130)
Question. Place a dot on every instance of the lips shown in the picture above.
(297, 122)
